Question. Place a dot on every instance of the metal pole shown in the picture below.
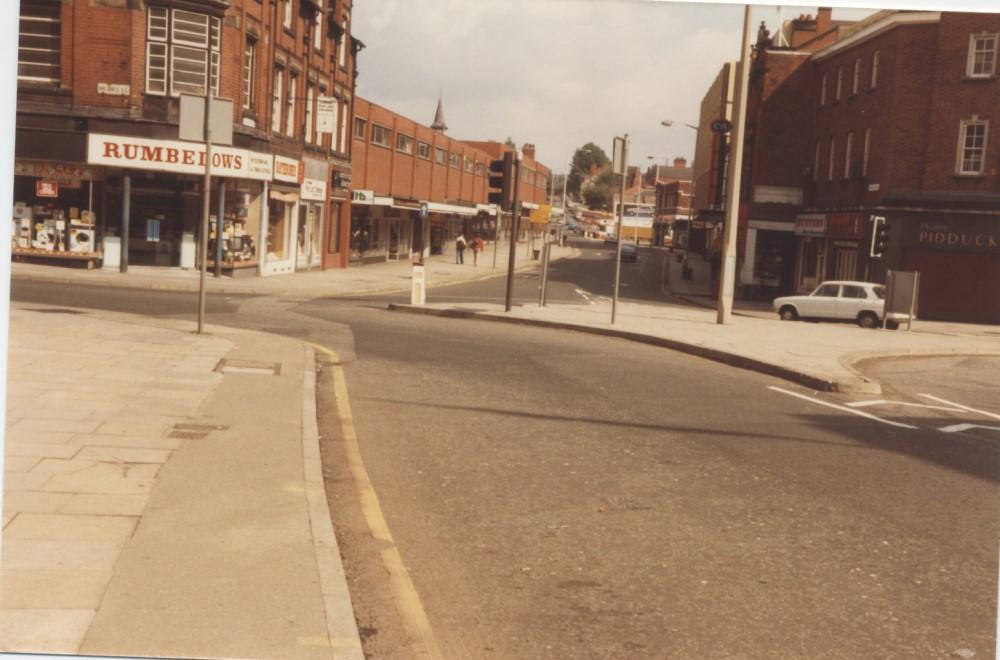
(219, 226)
(126, 205)
(618, 232)
(205, 208)
(913, 300)
(496, 236)
(728, 274)
(546, 250)
(515, 213)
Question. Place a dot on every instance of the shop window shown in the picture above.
(279, 76)
(182, 52)
(856, 81)
(39, 41)
(468, 164)
(360, 128)
(864, 157)
(455, 161)
(440, 156)
(423, 150)
(404, 143)
(380, 135)
(249, 62)
(982, 61)
(293, 84)
(874, 80)
(972, 146)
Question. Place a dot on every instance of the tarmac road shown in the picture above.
(556, 495)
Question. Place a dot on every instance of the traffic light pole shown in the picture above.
(515, 213)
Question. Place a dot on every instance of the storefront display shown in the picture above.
(241, 225)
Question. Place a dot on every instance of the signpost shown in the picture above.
(619, 161)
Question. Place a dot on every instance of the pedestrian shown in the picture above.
(477, 247)
(460, 249)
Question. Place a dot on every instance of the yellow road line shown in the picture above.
(408, 604)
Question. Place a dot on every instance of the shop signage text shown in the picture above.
(172, 156)
(947, 236)
(314, 190)
(113, 89)
(288, 170)
(45, 188)
(810, 224)
(845, 225)
(363, 196)
(326, 114)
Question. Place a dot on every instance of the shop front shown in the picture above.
(845, 232)
(281, 246)
(54, 212)
(767, 267)
(309, 243)
(369, 219)
(810, 264)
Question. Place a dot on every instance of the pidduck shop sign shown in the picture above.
(176, 156)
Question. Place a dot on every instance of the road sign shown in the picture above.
(192, 119)
(721, 126)
(618, 156)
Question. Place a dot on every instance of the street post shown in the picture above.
(205, 209)
(515, 212)
(620, 163)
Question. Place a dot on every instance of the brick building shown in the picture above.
(98, 155)
(400, 166)
(889, 117)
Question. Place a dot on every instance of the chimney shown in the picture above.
(680, 162)
(528, 151)
(824, 18)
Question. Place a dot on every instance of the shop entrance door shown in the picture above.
(395, 231)
(309, 230)
(846, 263)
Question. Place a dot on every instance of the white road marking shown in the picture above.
(839, 407)
(879, 402)
(959, 405)
(955, 428)
(584, 295)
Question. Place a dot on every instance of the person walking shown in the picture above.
(477, 247)
(460, 249)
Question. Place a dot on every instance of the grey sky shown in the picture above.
(557, 73)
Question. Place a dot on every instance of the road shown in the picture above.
(556, 495)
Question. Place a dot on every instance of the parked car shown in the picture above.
(630, 252)
(862, 302)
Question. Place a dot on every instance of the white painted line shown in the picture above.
(839, 407)
(879, 402)
(959, 405)
(584, 295)
(955, 428)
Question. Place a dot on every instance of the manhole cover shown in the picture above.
(228, 366)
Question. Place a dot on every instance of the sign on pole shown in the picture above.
(192, 119)
(618, 156)
(326, 114)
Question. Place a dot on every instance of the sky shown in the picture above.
(554, 73)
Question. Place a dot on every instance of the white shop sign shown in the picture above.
(174, 156)
(287, 170)
(326, 114)
(314, 190)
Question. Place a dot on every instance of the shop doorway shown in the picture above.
(811, 263)
(846, 263)
(395, 235)
(309, 236)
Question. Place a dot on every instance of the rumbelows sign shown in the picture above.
(175, 156)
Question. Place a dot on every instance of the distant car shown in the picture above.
(630, 252)
(861, 302)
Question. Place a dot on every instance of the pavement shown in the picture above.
(163, 494)
(371, 278)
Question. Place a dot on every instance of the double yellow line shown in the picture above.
(404, 594)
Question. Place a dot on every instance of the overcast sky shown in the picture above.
(556, 73)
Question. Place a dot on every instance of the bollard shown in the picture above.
(418, 292)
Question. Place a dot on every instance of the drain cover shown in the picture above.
(228, 366)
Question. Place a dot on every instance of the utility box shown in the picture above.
(418, 294)
(112, 252)
(188, 250)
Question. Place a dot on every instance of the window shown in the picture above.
(345, 108)
(360, 126)
(404, 143)
(249, 60)
(848, 149)
(874, 80)
(822, 91)
(982, 55)
(829, 171)
(276, 101)
(318, 28)
(380, 135)
(309, 113)
(182, 52)
(440, 156)
(293, 83)
(479, 169)
(972, 146)
(864, 157)
(827, 291)
(468, 164)
(39, 42)
(840, 83)
(856, 82)
(455, 161)
(286, 17)
(342, 46)
(850, 291)
(423, 150)
(816, 164)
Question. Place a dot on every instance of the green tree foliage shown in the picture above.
(510, 143)
(583, 159)
(600, 193)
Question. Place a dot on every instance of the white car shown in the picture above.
(862, 302)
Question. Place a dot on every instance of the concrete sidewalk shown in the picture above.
(822, 356)
(161, 502)
(370, 278)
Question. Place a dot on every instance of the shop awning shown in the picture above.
(491, 209)
(436, 207)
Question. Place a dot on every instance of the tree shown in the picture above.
(510, 143)
(599, 195)
(584, 159)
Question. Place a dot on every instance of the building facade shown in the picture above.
(99, 153)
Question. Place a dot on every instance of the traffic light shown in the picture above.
(880, 237)
(501, 180)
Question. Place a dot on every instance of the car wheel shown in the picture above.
(867, 320)
(788, 313)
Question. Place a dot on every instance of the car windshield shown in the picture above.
(879, 291)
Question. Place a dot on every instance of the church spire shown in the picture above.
(439, 124)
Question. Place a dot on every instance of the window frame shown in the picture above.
(848, 152)
(455, 160)
(363, 123)
(873, 81)
(971, 57)
(205, 53)
(407, 143)
(288, 17)
(277, 91)
(856, 80)
(468, 164)
(382, 129)
(831, 162)
(441, 156)
(822, 91)
(309, 135)
(964, 126)
(423, 146)
(840, 84)
(249, 67)
(815, 176)
(293, 84)
(867, 151)
(54, 53)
